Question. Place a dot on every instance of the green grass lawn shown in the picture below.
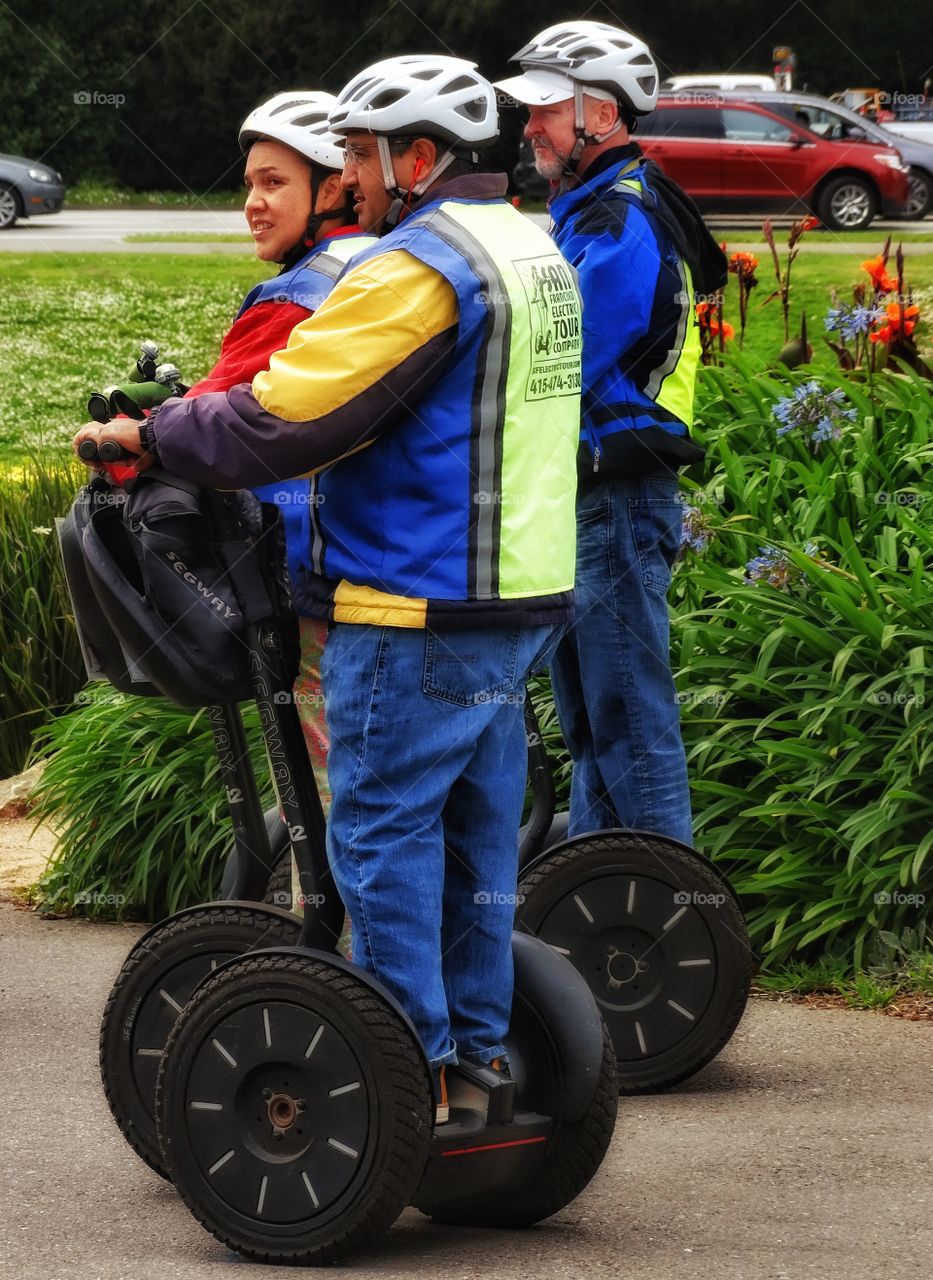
(189, 237)
(71, 323)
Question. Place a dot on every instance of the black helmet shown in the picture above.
(163, 580)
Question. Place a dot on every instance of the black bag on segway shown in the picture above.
(164, 578)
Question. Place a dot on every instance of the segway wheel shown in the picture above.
(294, 1108)
(279, 887)
(658, 935)
(158, 978)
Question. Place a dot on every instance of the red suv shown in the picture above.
(729, 155)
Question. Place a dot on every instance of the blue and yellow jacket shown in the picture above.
(434, 396)
(641, 344)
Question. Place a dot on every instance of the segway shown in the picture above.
(294, 1102)
(655, 928)
(109, 557)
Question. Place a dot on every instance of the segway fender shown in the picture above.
(550, 992)
(556, 839)
(222, 904)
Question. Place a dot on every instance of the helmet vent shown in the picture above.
(290, 105)
(475, 110)
(388, 98)
(462, 82)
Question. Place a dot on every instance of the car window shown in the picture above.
(681, 122)
(750, 126)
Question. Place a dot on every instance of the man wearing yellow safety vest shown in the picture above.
(641, 251)
(438, 387)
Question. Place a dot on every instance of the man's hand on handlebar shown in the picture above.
(123, 432)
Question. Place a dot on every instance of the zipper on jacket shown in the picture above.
(596, 458)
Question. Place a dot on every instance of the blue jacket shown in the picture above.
(641, 343)
(306, 284)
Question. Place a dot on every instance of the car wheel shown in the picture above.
(847, 203)
(920, 199)
(9, 206)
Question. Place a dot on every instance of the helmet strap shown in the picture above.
(316, 220)
(585, 139)
(401, 200)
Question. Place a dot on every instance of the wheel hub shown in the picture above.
(283, 1111)
(622, 967)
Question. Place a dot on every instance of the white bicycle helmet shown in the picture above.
(299, 119)
(419, 94)
(432, 94)
(569, 59)
(594, 53)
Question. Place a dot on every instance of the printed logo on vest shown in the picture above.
(556, 334)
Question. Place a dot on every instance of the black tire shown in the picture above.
(162, 972)
(10, 207)
(279, 888)
(847, 203)
(246, 1042)
(574, 1153)
(920, 199)
(607, 902)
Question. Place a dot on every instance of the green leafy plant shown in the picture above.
(807, 704)
(40, 660)
(131, 786)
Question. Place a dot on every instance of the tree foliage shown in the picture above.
(189, 70)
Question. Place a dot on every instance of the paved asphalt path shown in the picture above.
(102, 231)
(803, 1153)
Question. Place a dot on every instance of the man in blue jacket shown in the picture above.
(641, 253)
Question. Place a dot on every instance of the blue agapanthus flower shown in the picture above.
(695, 532)
(852, 322)
(775, 568)
(820, 413)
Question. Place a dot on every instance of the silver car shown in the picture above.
(27, 188)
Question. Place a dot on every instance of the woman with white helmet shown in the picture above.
(300, 217)
(437, 392)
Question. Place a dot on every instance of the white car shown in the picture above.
(726, 81)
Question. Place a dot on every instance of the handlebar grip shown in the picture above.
(98, 406)
(87, 450)
(111, 451)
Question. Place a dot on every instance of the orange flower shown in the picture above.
(879, 276)
(707, 319)
(747, 261)
(901, 323)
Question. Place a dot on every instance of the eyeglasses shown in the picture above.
(357, 155)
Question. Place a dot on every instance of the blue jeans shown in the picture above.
(615, 694)
(427, 772)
